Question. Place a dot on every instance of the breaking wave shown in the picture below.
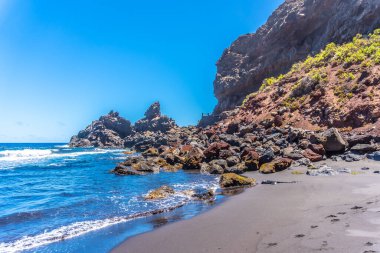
(74, 230)
(30, 154)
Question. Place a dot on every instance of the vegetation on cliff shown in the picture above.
(337, 87)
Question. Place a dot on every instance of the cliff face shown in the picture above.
(295, 30)
(338, 87)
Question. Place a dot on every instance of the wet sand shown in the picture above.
(317, 214)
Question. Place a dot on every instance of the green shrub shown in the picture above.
(248, 97)
(270, 81)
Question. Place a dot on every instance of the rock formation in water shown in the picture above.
(298, 28)
(108, 131)
(114, 131)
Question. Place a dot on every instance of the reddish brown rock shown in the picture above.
(214, 149)
(277, 165)
(193, 159)
(317, 148)
(312, 156)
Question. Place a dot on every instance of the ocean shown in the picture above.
(59, 199)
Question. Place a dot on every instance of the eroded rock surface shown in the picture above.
(295, 30)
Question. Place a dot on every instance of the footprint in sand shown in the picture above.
(272, 244)
(314, 226)
(335, 220)
(299, 236)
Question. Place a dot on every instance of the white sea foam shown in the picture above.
(13, 158)
(59, 234)
(62, 146)
(12, 155)
(26, 154)
(72, 230)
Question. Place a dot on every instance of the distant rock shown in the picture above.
(113, 131)
(154, 121)
(153, 111)
(108, 131)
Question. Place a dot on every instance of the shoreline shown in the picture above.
(321, 213)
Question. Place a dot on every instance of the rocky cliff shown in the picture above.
(338, 87)
(295, 30)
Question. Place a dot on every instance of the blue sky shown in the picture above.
(63, 63)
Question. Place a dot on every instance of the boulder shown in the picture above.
(172, 168)
(146, 167)
(160, 193)
(232, 160)
(374, 156)
(150, 152)
(214, 149)
(359, 139)
(267, 156)
(317, 148)
(364, 148)
(275, 166)
(251, 159)
(201, 194)
(311, 155)
(237, 169)
(233, 180)
(221, 162)
(124, 170)
(193, 159)
(333, 142)
(212, 168)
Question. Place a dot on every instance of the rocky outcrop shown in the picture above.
(154, 121)
(295, 30)
(108, 131)
(114, 131)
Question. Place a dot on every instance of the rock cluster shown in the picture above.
(294, 31)
(114, 131)
(227, 148)
(154, 121)
(108, 131)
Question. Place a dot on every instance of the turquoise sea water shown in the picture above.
(59, 199)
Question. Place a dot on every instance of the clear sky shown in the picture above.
(63, 63)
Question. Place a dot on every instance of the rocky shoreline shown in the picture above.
(221, 149)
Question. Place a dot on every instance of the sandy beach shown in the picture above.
(317, 214)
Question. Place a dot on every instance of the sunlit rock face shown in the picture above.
(295, 30)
